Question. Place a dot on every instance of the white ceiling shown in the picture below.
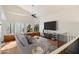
(16, 13)
(65, 12)
(15, 9)
(69, 12)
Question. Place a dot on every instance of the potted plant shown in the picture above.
(29, 28)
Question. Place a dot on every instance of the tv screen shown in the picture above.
(50, 25)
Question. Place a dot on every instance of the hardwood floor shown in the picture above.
(10, 51)
(10, 48)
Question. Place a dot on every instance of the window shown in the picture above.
(14, 28)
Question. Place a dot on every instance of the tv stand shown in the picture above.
(56, 42)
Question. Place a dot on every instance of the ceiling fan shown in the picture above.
(33, 14)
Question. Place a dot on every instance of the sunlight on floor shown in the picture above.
(10, 48)
(9, 45)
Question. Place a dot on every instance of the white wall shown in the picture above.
(63, 26)
(2, 18)
(67, 21)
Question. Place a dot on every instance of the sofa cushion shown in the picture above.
(29, 39)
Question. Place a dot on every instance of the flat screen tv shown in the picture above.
(52, 25)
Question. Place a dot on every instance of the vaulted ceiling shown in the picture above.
(62, 12)
(13, 12)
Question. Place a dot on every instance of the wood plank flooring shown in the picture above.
(10, 48)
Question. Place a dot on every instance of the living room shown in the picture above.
(31, 20)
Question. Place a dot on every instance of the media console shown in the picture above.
(56, 43)
(54, 39)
